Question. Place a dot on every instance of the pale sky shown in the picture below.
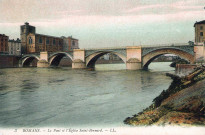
(105, 23)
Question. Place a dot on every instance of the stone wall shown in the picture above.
(199, 53)
(9, 61)
(184, 69)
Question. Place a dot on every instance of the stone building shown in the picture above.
(24, 31)
(14, 47)
(199, 47)
(40, 43)
(199, 32)
(35, 43)
(3, 44)
(69, 43)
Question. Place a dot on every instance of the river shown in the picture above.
(63, 97)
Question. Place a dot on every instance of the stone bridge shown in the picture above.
(45, 59)
(135, 57)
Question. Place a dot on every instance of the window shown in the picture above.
(54, 41)
(22, 30)
(73, 43)
(30, 30)
(30, 40)
(40, 40)
(60, 43)
(47, 40)
(201, 27)
(201, 34)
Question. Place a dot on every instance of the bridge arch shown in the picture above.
(27, 60)
(148, 58)
(92, 58)
(55, 58)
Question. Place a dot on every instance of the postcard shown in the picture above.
(117, 67)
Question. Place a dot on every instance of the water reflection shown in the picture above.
(3, 82)
(56, 81)
(66, 97)
(3, 86)
(29, 85)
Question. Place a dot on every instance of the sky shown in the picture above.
(105, 23)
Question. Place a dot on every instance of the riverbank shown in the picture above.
(9, 61)
(183, 103)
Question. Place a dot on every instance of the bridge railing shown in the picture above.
(165, 45)
(106, 48)
(27, 54)
(156, 45)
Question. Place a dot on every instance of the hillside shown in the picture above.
(183, 103)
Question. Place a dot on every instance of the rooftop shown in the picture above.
(62, 37)
(46, 35)
(201, 22)
(3, 35)
(16, 41)
(70, 37)
(26, 24)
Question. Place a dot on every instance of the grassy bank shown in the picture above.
(183, 103)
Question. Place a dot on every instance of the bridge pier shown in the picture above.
(133, 64)
(134, 54)
(78, 64)
(43, 62)
(78, 59)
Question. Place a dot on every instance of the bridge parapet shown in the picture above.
(186, 48)
(53, 53)
(30, 55)
(106, 48)
(164, 45)
(115, 50)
